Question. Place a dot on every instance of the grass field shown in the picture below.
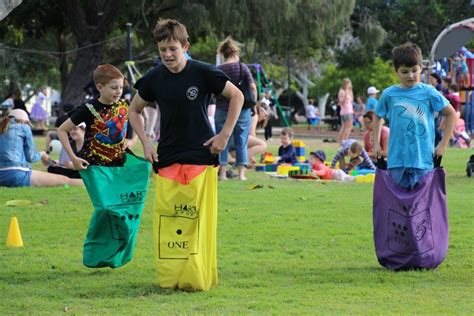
(291, 247)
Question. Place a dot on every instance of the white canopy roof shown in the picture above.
(452, 38)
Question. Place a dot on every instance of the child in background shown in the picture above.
(445, 82)
(369, 137)
(106, 120)
(286, 152)
(359, 110)
(64, 166)
(371, 99)
(411, 107)
(38, 113)
(312, 114)
(464, 71)
(460, 138)
(316, 159)
(454, 97)
(53, 135)
(357, 154)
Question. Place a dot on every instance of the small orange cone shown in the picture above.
(14, 235)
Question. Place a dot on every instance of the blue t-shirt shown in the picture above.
(411, 115)
(371, 103)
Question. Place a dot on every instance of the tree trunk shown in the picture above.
(90, 22)
(81, 73)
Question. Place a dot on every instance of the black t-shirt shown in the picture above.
(61, 119)
(19, 104)
(183, 99)
(106, 127)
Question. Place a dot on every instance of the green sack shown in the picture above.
(118, 195)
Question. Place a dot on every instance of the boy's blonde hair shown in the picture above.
(103, 74)
(408, 54)
(229, 47)
(356, 148)
(287, 131)
(168, 29)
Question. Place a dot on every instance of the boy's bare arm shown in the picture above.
(137, 122)
(63, 131)
(236, 100)
(377, 132)
(450, 121)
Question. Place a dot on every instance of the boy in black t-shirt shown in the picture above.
(106, 121)
(187, 150)
(183, 89)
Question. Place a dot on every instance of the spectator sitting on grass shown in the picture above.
(64, 166)
(286, 152)
(369, 137)
(68, 107)
(319, 169)
(357, 155)
(17, 152)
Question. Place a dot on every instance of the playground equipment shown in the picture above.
(132, 72)
(261, 78)
(448, 42)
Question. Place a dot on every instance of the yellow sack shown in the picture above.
(185, 225)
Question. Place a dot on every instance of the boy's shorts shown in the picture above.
(313, 121)
(407, 177)
(15, 178)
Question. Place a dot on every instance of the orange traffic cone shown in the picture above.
(14, 235)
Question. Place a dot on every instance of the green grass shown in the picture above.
(301, 247)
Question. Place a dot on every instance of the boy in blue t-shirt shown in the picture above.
(410, 107)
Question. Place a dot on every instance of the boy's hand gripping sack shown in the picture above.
(118, 195)
(184, 227)
(410, 226)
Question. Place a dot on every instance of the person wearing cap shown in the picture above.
(319, 169)
(17, 152)
(371, 99)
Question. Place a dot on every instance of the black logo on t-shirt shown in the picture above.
(192, 93)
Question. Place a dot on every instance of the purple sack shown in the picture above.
(410, 226)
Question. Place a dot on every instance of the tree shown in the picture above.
(90, 21)
(79, 33)
(418, 21)
(32, 34)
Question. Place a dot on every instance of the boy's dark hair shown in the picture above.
(228, 47)
(369, 115)
(356, 148)
(408, 54)
(287, 131)
(169, 29)
(454, 87)
(437, 77)
(103, 74)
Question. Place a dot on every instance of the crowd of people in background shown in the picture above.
(245, 148)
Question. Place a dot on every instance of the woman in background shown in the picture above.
(17, 151)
